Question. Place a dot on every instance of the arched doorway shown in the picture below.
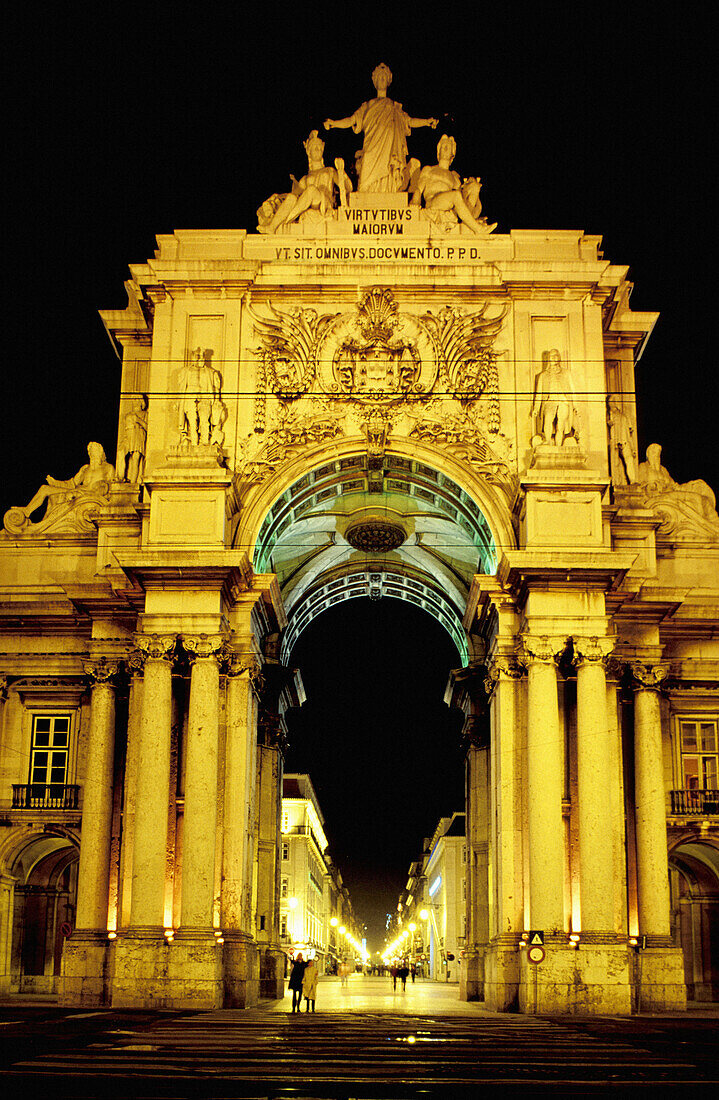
(387, 530)
(45, 899)
(694, 881)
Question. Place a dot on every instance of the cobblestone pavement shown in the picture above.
(365, 1041)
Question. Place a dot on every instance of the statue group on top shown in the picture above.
(382, 167)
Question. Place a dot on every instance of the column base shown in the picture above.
(272, 972)
(240, 971)
(593, 980)
(659, 980)
(152, 973)
(87, 969)
(471, 975)
(501, 976)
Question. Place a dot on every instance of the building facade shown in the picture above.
(375, 394)
(314, 903)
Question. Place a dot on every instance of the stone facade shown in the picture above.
(376, 394)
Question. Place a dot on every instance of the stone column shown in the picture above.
(150, 846)
(200, 818)
(596, 855)
(650, 803)
(241, 973)
(545, 785)
(85, 954)
(141, 952)
(471, 981)
(506, 904)
(268, 812)
(659, 981)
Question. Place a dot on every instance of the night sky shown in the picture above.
(120, 123)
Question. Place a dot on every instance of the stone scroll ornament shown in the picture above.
(71, 506)
(687, 511)
(289, 348)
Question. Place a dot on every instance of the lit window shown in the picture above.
(699, 755)
(49, 756)
(284, 887)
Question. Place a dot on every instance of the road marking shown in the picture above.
(85, 1015)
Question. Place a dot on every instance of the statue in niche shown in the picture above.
(445, 194)
(131, 454)
(622, 450)
(71, 505)
(554, 410)
(382, 162)
(315, 191)
(688, 508)
(201, 404)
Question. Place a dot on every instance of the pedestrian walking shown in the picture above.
(393, 974)
(413, 972)
(403, 974)
(309, 985)
(295, 983)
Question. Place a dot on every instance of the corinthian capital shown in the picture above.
(648, 677)
(202, 646)
(3, 688)
(539, 648)
(502, 665)
(593, 650)
(157, 646)
(101, 671)
(246, 665)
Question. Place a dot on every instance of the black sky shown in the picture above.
(120, 123)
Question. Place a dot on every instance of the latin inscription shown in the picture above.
(451, 253)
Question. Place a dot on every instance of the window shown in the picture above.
(49, 755)
(285, 851)
(699, 755)
(284, 888)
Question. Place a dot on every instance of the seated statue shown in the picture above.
(444, 192)
(72, 504)
(315, 191)
(687, 508)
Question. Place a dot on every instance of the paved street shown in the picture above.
(364, 1041)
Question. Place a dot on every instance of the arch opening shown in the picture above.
(390, 527)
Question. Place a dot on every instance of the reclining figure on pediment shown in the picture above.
(449, 200)
(71, 505)
(314, 192)
(687, 509)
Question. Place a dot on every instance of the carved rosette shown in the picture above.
(102, 671)
(648, 677)
(502, 666)
(160, 647)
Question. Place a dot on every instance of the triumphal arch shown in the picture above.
(373, 394)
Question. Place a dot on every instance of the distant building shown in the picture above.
(314, 904)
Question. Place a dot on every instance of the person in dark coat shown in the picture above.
(403, 974)
(295, 983)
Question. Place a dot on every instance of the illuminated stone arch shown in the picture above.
(694, 886)
(410, 525)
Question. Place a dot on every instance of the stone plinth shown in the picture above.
(501, 976)
(659, 978)
(152, 973)
(87, 969)
(471, 976)
(241, 971)
(272, 973)
(592, 980)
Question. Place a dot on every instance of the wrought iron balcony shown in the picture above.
(45, 796)
(695, 802)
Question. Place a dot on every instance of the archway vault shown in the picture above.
(389, 526)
